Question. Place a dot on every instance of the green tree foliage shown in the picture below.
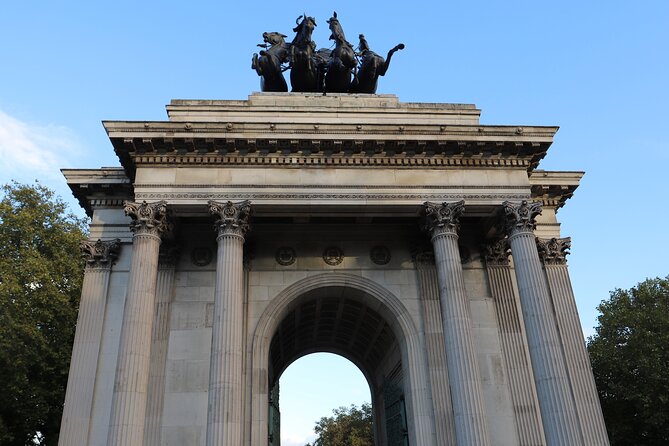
(347, 427)
(40, 282)
(630, 360)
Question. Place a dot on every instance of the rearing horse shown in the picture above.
(303, 69)
(371, 67)
(268, 65)
(342, 60)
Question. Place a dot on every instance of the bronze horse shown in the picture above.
(342, 60)
(371, 67)
(303, 68)
(269, 64)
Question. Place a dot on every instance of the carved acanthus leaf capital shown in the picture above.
(553, 251)
(232, 218)
(443, 217)
(520, 217)
(100, 254)
(147, 218)
(497, 252)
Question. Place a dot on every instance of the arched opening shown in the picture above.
(310, 388)
(349, 322)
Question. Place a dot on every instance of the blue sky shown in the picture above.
(598, 69)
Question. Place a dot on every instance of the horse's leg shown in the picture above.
(384, 68)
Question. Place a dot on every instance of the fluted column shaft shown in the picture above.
(463, 371)
(132, 369)
(550, 373)
(160, 336)
(436, 350)
(552, 253)
(516, 357)
(224, 418)
(83, 366)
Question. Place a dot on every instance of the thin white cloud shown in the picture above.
(29, 151)
(290, 439)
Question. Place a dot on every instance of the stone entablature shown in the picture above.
(301, 129)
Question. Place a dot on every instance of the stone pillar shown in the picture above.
(436, 349)
(556, 402)
(553, 254)
(512, 336)
(224, 418)
(463, 371)
(83, 368)
(132, 369)
(161, 330)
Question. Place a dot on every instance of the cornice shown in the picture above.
(553, 189)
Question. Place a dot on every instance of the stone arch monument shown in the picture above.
(240, 235)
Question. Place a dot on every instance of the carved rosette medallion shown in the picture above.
(232, 218)
(100, 254)
(201, 256)
(333, 255)
(443, 218)
(285, 256)
(520, 217)
(147, 218)
(380, 255)
(497, 252)
(553, 251)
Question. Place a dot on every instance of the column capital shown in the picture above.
(553, 251)
(232, 218)
(520, 217)
(100, 254)
(147, 218)
(441, 218)
(497, 252)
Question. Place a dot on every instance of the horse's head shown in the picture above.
(304, 28)
(273, 38)
(337, 31)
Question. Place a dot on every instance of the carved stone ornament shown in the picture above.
(333, 255)
(554, 251)
(519, 217)
(232, 218)
(380, 255)
(100, 254)
(147, 218)
(201, 256)
(443, 217)
(285, 256)
(497, 252)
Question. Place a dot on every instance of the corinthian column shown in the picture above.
(167, 260)
(550, 373)
(436, 349)
(553, 254)
(463, 372)
(83, 368)
(224, 419)
(514, 350)
(132, 370)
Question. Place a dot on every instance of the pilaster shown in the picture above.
(514, 350)
(436, 349)
(100, 256)
(558, 412)
(167, 259)
(442, 222)
(149, 221)
(553, 254)
(224, 418)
